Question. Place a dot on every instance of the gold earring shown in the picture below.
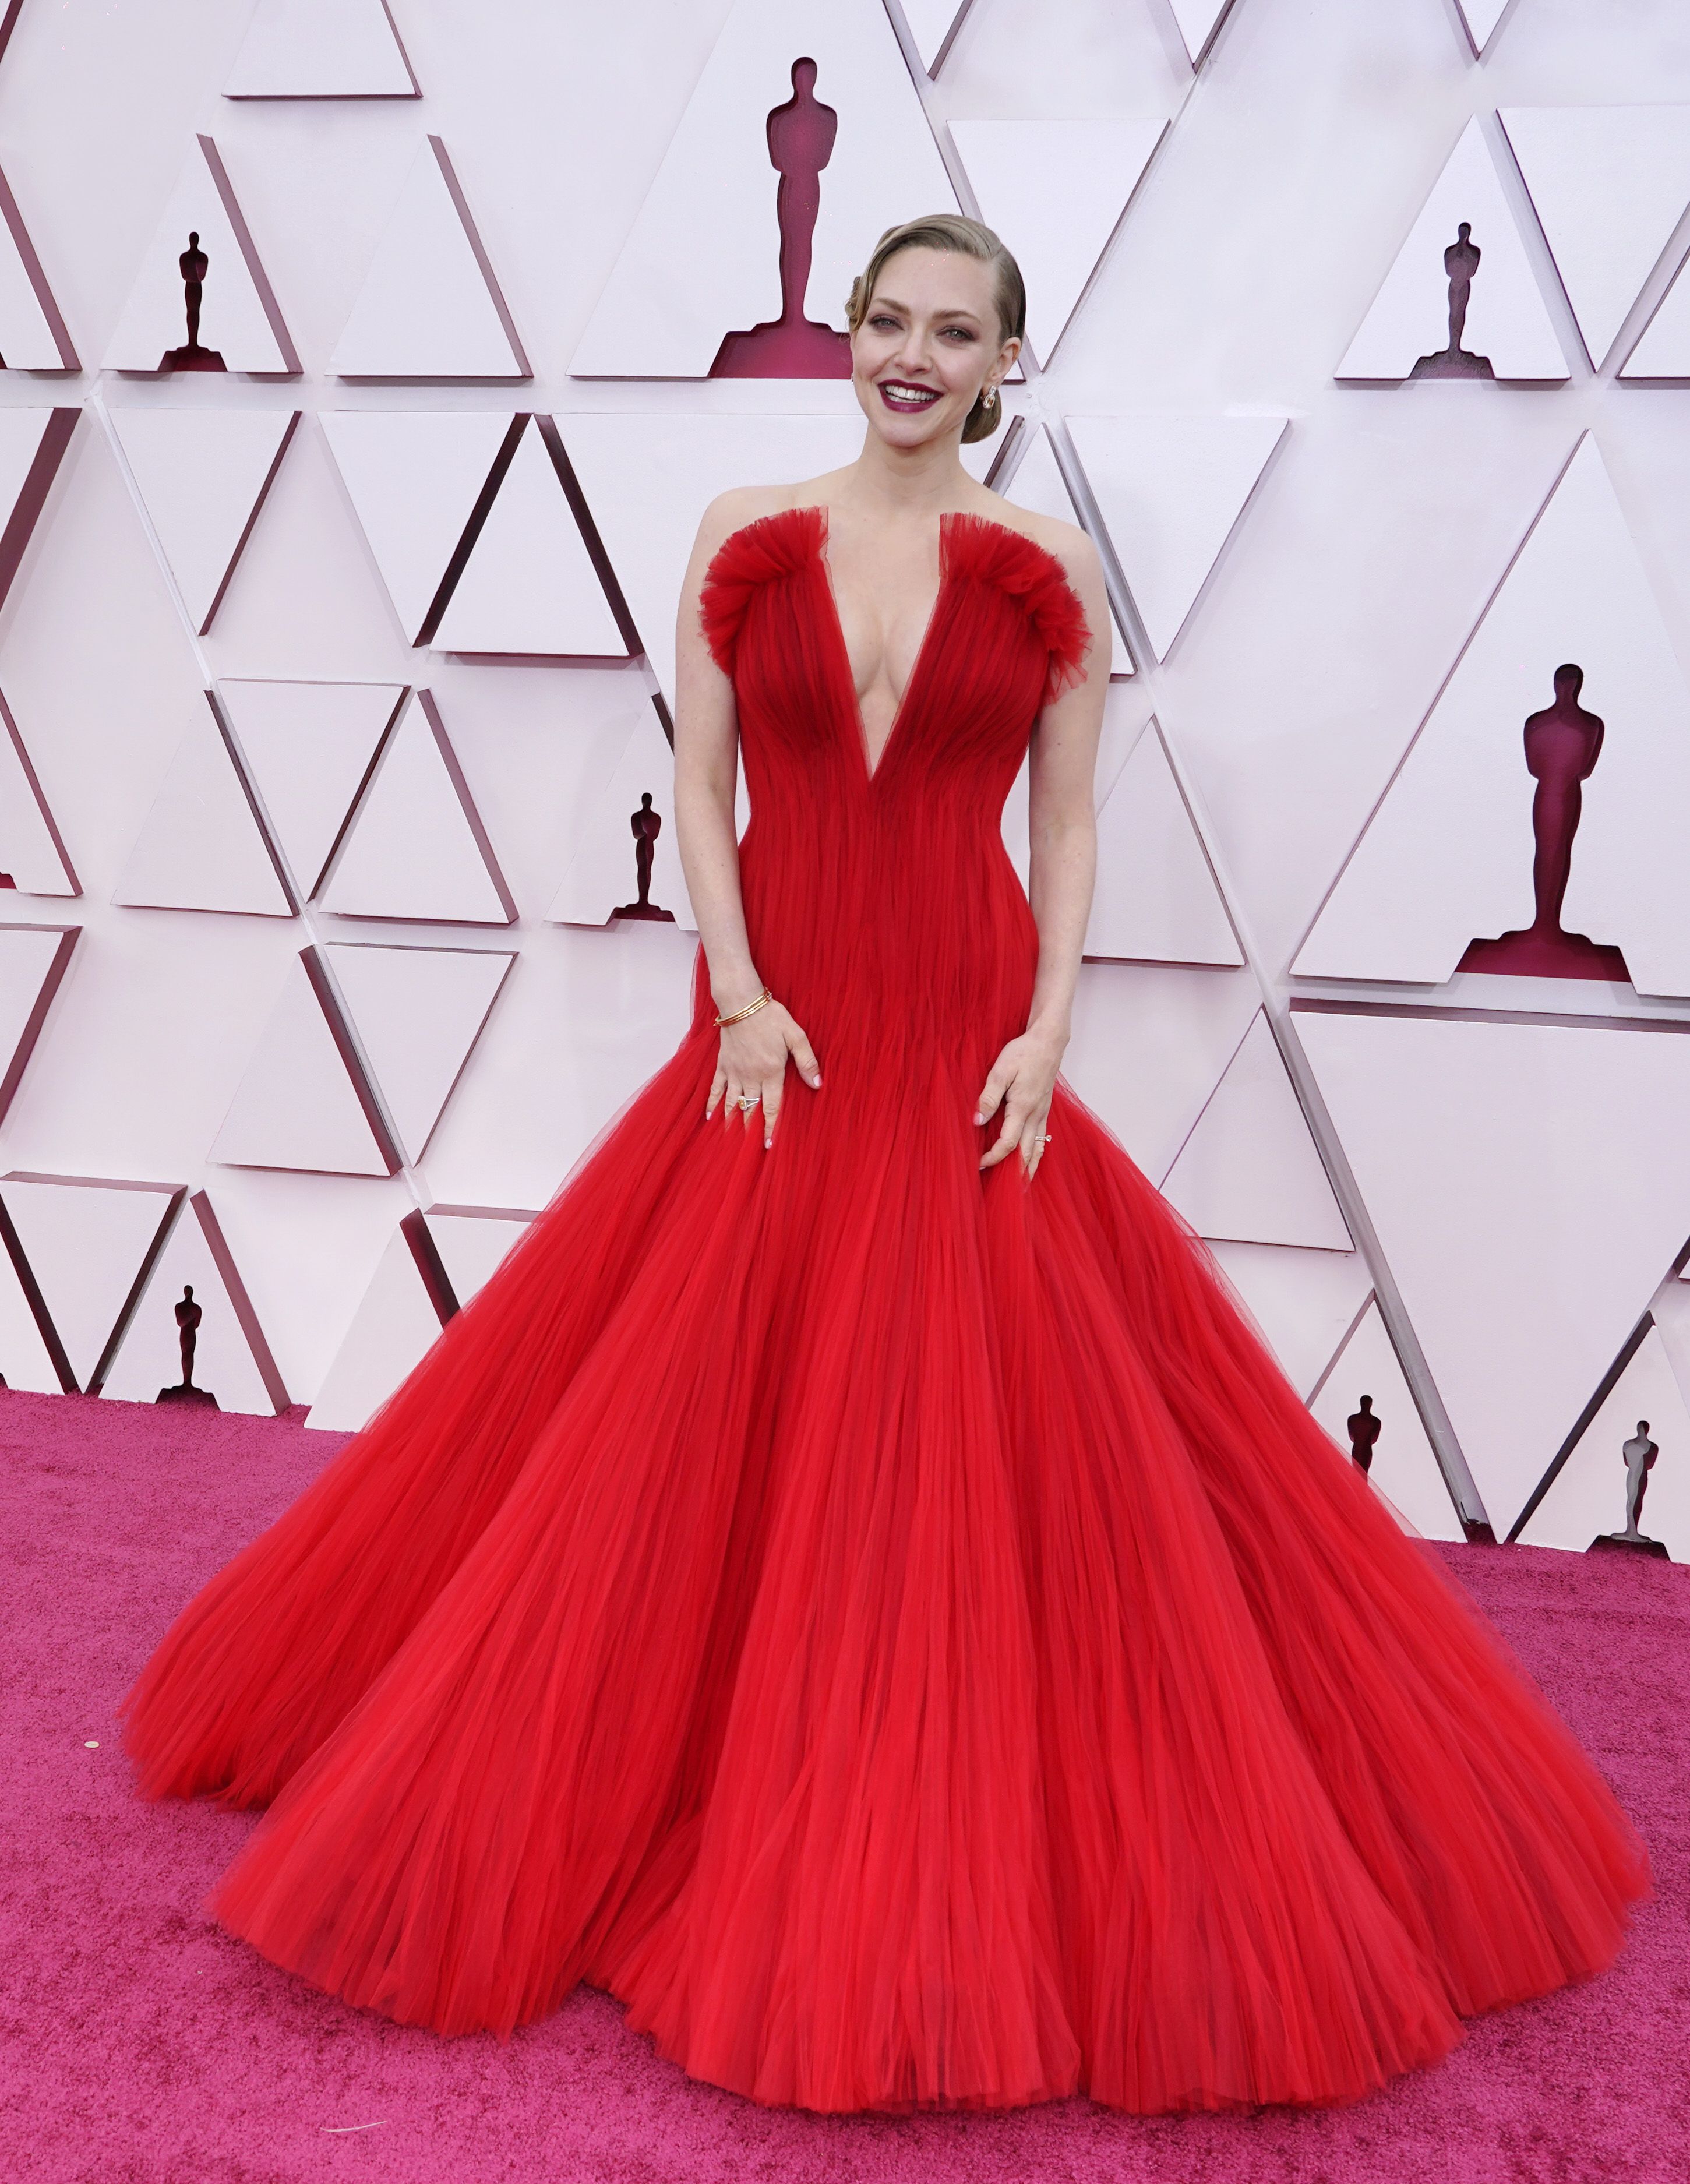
(987, 396)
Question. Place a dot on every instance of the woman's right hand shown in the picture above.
(752, 1061)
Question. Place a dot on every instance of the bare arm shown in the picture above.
(752, 1061)
(1062, 870)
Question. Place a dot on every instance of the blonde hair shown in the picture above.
(967, 239)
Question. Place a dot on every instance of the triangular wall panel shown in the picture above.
(33, 961)
(203, 475)
(1662, 348)
(1155, 900)
(397, 1323)
(240, 320)
(649, 478)
(416, 848)
(1480, 19)
(703, 258)
(1586, 1497)
(1200, 22)
(932, 25)
(1506, 323)
(33, 857)
(431, 307)
(1609, 185)
(202, 847)
(529, 586)
(33, 334)
(1448, 856)
(88, 1246)
(421, 483)
(1249, 1171)
(32, 445)
(1171, 491)
(303, 1101)
(308, 749)
(322, 49)
(1530, 1184)
(417, 1013)
(1056, 189)
(473, 1242)
(1404, 1468)
(231, 1358)
(1037, 483)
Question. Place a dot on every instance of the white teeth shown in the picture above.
(908, 398)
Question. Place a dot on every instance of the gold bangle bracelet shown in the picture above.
(763, 997)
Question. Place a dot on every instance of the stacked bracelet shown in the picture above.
(766, 995)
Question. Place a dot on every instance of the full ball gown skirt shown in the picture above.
(892, 1625)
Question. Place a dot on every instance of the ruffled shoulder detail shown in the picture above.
(1032, 575)
(757, 554)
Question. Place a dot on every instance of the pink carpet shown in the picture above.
(140, 2045)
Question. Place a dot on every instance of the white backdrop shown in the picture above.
(341, 977)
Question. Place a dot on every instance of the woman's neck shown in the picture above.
(906, 482)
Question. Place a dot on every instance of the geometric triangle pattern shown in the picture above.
(702, 259)
(415, 848)
(33, 858)
(1171, 491)
(307, 748)
(1155, 900)
(932, 25)
(1056, 190)
(529, 586)
(240, 322)
(304, 1102)
(1037, 483)
(33, 335)
(1366, 1372)
(429, 307)
(421, 485)
(1199, 21)
(397, 1323)
(83, 1248)
(1249, 1171)
(194, 1286)
(32, 445)
(322, 49)
(1530, 1184)
(1609, 185)
(1479, 18)
(473, 1242)
(416, 1014)
(203, 474)
(1662, 348)
(1587, 1499)
(1504, 328)
(202, 847)
(33, 961)
(1448, 855)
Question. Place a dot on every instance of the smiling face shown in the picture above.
(928, 341)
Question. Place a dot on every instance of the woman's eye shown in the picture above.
(962, 333)
(881, 320)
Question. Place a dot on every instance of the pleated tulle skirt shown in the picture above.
(897, 1628)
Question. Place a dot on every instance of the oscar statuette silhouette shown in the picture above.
(1640, 1453)
(1460, 263)
(1364, 1427)
(1563, 743)
(194, 266)
(800, 138)
(647, 825)
(188, 1317)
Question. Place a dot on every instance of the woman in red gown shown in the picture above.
(854, 1584)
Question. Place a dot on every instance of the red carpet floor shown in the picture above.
(140, 2045)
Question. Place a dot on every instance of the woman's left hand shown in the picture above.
(1022, 1078)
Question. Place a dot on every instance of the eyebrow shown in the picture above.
(951, 311)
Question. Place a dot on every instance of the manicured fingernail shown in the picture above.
(980, 1118)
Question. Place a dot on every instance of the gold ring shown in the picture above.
(750, 1100)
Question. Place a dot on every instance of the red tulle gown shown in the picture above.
(891, 1624)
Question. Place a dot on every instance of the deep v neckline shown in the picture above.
(872, 773)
